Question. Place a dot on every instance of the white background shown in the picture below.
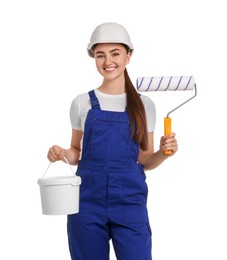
(44, 65)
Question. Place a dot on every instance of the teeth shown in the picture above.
(109, 69)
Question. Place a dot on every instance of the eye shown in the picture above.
(99, 56)
(116, 54)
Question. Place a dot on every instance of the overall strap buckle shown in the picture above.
(94, 100)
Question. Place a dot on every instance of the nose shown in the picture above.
(108, 60)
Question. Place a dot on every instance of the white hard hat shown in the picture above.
(109, 33)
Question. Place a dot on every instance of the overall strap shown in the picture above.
(94, 100)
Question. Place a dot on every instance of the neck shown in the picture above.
(112, 87)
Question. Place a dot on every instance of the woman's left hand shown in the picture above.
(168, 143)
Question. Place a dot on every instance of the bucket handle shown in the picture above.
(65, 161)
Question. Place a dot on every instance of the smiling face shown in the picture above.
(111, 60)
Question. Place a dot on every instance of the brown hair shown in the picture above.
(136, 113)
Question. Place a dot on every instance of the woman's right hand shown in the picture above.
(56, 153)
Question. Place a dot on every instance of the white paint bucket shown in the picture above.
(60, 195)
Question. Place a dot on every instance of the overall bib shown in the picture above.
(113, 193)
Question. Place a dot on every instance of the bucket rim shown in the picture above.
(60, 180)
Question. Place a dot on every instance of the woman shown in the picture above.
(112, 143)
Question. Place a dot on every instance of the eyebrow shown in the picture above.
(116, 49)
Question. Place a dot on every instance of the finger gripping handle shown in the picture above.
(167, 130)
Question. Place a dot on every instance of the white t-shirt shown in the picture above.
(117, 103)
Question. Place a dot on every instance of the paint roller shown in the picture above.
(173, 83)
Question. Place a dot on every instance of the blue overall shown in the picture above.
(113, 193)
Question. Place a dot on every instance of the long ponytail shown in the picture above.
(137, 114)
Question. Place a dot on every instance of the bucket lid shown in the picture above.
(60, 180)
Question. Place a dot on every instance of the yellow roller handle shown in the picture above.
(167, 130)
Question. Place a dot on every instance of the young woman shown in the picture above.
(112, 144)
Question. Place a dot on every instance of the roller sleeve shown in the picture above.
(173, 83)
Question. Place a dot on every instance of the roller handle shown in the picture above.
(167, 130)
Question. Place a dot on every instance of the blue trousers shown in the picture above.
(90, 241)
(113, 193)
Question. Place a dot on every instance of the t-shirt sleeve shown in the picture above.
(75, 114)
(150, 111)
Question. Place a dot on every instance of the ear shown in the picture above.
(128, 57)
